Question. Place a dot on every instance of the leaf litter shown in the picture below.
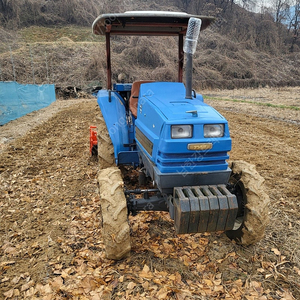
(51, 246)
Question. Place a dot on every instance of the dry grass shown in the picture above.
(72, 56)
(276, 96)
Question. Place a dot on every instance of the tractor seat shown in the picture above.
(133, 100)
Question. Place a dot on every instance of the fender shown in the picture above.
(119, 126)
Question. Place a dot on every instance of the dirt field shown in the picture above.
(51, 246)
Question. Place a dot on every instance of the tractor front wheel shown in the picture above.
(252, 218)
(115, 227)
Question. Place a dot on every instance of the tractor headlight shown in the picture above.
(213, 130)
(181, 131)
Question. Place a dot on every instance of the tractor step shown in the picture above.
(203, 209)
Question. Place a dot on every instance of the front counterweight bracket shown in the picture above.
(203, 209)
(151, 200)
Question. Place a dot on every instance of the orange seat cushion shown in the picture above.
(133, 100)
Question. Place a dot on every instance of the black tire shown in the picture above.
(115, 227)
(252, 219)
(105, 147)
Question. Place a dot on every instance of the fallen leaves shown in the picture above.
(27, 286)
(6, 263)
(52, 247)
(146, 273)
(276, 251)
(178, 266)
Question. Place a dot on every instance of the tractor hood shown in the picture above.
(169, 98)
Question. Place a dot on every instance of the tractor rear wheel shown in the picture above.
(105, 147)
(115, 227)
(252, 218)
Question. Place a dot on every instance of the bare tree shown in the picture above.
(280, 8)
(9, 12)
(183, 4)
(249, 4)
(294, 22)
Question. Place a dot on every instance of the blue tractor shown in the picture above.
(175, 141)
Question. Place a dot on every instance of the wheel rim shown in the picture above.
(236, 187)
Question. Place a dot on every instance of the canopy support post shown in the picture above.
(180, 57)
(108, 60)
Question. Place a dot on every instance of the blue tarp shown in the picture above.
(17, 100)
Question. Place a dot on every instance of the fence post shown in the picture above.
(47, 70)
(1, 75)
(32, 67)
(12, 62)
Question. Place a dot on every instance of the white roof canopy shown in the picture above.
(146, 23)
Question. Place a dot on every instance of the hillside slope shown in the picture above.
(52, 42)
(72, 56)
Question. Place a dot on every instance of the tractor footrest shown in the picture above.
(204, 209)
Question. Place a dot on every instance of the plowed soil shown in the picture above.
(50, 224)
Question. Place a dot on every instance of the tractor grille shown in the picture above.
(195, 159)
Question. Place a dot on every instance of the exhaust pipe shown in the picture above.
(189, 49)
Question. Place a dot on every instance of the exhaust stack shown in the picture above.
(189, 49)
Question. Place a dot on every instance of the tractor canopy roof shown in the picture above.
(146, 23)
